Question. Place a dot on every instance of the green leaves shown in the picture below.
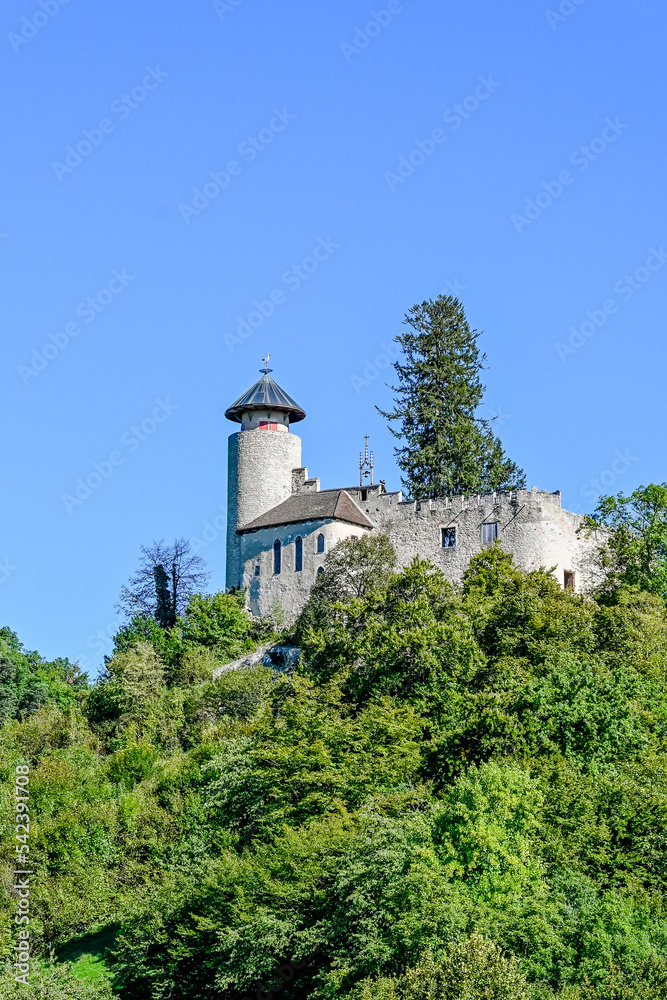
(447, 449)
(635, 553)
(460, 793)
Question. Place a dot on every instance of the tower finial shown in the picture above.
(265, 361)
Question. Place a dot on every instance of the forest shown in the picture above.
(461, 791)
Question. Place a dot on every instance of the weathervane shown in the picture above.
(365, 464)
(265, 362)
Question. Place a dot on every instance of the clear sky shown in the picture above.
(169, 166)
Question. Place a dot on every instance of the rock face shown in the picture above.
(282, 659)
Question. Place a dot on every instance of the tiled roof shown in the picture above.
(335, 505)
(265, 394)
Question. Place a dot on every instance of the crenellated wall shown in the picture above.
(532, 526)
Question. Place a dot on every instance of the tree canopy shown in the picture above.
(446, 447)
(634, 553)
(460, 793)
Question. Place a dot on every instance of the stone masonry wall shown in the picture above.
(532, 526)
(290, 589)
(259, 477)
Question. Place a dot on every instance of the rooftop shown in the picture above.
(335, 505)
(265, 394)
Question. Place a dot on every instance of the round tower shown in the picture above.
(261, 457)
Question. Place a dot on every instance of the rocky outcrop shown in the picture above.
(282, 659)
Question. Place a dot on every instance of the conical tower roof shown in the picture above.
(265, 394)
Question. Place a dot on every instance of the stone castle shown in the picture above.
(280, 524)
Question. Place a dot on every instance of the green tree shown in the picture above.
(54, 982)
(447, 448)
(352, 569)
(219, 622)
(27, 681)
(475, 969)
(635, 554)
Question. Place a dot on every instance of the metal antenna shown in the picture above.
(365, 464)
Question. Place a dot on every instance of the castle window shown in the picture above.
(489, 532)
(448, 538)
(257, 570)
(276, 557)
(354, 538)
(320, 569)
(298, 554)
(568, 581)
(320, 543)
(268, 425)
(364, 494)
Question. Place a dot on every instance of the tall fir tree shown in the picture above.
(446, 449)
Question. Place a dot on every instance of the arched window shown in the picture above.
(320, 543)
(276, 557)
(320, 569)
(298, 554)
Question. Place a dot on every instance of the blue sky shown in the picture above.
(169, 166)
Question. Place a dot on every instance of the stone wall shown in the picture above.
(532, 526)
(259, 477)
(289, 588)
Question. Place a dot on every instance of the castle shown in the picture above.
(280, 524)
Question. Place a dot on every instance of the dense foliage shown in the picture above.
(446, 447)
(27, 681)
(635, 553)
(461, 793)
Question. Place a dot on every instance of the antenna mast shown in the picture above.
(365, 464)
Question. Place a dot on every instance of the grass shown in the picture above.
(88, 954)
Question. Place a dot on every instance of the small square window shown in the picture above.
(489, 532)
(449, 538)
